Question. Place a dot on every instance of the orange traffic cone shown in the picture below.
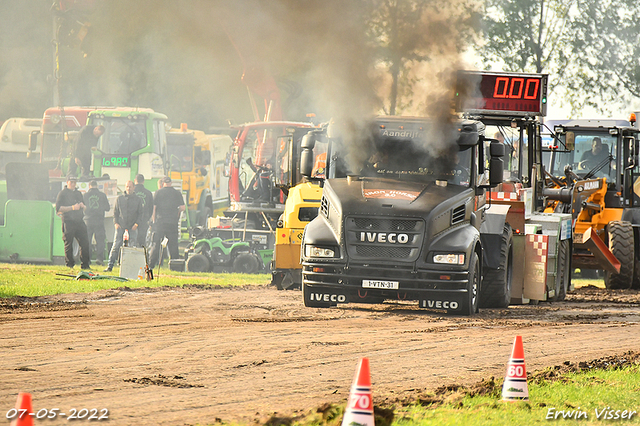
(360, 405)
(515, 382)
(23, 415)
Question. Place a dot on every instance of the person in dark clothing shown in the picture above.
(96, 205)
(594, 156)
(126, 218)
(86, 140)
(69, 206)
(167, 206)
(147, 209)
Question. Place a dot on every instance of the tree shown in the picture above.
(607, 50)
(589, 48)
(529, 36)
(408, 33)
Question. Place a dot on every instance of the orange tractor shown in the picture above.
(594, 174)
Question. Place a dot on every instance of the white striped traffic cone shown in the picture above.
(359, 409)
(515, 382)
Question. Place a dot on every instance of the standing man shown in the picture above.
(96, 205)
(86, 140)
(147, 209)
(167, 206)
(126, 217)
(69, 206)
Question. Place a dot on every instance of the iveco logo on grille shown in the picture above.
(384, 237)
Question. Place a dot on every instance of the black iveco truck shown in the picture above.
(401, 214)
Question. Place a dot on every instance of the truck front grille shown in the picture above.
(376, 238)
(385, 252)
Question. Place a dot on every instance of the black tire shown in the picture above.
(470, 304)
(198, 263)
(306, 297)
(620, 237)
(564, 281)
(636, 268)
(245, 263)
(497, 283)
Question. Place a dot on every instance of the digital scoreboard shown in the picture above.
(501, 93)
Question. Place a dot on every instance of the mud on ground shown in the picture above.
(199, 354)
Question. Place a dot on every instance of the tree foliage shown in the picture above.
(589, 48)
(409, 33)
(529, 35)
(606, 47)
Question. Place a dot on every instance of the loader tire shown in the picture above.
(198, 263)
(496, 284)
(620, 237)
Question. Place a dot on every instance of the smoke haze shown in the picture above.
(185, 58)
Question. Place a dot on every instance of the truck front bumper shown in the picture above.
(433, 288)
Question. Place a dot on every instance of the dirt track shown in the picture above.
(201, 355)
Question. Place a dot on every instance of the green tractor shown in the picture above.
(215, 255)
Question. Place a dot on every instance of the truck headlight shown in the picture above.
(315, 251)
(449, 258)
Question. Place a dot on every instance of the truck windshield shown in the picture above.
(405, 160)
(408, 161)
(180, 150)
(122, 136)
(585, 152)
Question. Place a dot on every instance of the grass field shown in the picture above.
(600, 396)
(41, 280)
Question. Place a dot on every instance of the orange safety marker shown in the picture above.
(24, 410)
(515, 382)
(360, 405)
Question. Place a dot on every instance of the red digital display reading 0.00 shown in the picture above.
(496, 93)
(513, 89)
(520, 94)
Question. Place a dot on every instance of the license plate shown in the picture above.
(391, 285)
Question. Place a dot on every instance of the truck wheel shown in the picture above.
(245, 263)
(306, 297)
(620, 235)
(564, 280)
(496, 284)
(198, 263)
(470, 305)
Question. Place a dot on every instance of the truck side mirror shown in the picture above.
(33, 140)
(306, 155)
(633, 151)
(308, 141)
(496, 165)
